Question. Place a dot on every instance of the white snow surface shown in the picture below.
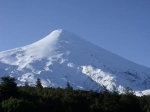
(63, 57)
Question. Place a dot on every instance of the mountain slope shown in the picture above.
(63, 57)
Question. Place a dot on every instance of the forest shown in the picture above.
(25, 98)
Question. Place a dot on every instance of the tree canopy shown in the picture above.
(27, 99)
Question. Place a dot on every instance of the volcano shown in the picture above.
(63, 57)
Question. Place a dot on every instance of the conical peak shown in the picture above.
(45, 46)
(59, 33)
(63, 33)
(68, 36)
(56, 36)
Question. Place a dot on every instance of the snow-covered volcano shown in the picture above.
(63, 57)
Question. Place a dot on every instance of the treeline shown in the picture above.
(39, 99)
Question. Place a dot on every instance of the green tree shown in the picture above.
(129, 103)
(38, 84)
(26, 84)
(128, 91)
(69, 86)
(17, 105)
(8, 87)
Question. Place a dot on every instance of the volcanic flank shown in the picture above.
(63, 57)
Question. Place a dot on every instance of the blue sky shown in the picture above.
(120, 26)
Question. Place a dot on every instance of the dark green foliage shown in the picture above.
(129, 91)
(39, 99)
(8, 87)
(26, 85)
(69, 86)
(17, 105)
(129, 103)
(38, 84)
